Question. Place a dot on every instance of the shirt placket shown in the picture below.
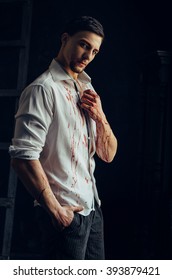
(89, 134)
(86, 119)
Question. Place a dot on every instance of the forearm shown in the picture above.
(35, 180)
(106, 144)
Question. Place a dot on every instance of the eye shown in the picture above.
(84, 45)
(95, 52)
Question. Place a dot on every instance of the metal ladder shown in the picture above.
(15, 20)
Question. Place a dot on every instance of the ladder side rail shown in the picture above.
(9, 202)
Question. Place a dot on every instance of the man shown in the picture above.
(60, 124)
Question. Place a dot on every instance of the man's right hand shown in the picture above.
(65, 216)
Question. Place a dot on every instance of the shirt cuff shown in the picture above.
(23, 153)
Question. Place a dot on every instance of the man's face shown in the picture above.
(79, 50)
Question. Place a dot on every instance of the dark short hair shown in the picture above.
(83, 23)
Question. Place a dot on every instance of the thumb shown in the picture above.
(77, 208)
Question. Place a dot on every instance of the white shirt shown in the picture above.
(51, 127)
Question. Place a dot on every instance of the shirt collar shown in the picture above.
(59, 74)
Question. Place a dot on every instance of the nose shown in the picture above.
(88, 55)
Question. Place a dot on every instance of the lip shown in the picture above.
(82, 64)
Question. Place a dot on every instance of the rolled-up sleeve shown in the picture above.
(33, 118)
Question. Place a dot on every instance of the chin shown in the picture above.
(77, 69)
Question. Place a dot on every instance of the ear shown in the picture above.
(64, 38)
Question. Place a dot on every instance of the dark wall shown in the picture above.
(133, 29)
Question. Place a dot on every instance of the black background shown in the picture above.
(133, 29)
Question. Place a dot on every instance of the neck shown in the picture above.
(66, 68)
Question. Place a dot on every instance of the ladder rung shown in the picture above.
(9, 92)
(7, 202)
(4, 145)
(11, 1)
(12, 43)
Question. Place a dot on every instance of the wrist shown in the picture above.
(102, 122)
(48, 201)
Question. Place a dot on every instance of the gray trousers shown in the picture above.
(82, 240)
